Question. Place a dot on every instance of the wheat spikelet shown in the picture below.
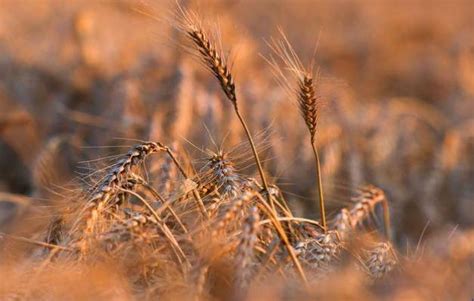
(216, 63)
(307, 87)
(224, 174)
(380, 260)
(210, 55)
(320, 252)
(121, 169)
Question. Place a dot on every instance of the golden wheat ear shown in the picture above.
(308, 99)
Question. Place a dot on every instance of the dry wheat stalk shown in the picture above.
(135, 179)
(163, 227)
(309, 106)
(215, 61)
(308, 98)
(194, 191)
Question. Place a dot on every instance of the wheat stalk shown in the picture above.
(309, 104)
(215, 61)
(308, 98)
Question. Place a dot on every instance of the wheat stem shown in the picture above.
(216, 63)
(322, 210)
(255, 154)
(386, 220)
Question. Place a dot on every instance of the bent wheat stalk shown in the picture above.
(104, 193)
(349, 219)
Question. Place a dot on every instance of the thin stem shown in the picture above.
(36, 242)
(163, 227)
(386, 219)
(255, 154)
(163, 201)
(322, 211)
(292, 219)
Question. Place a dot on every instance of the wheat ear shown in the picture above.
(348, 219)
(108, 188)
(380, 260)
(224, 174)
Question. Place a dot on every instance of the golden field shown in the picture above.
(182, 150)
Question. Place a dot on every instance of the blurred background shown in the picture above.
(78, 76)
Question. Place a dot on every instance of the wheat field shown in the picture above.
(236, 150)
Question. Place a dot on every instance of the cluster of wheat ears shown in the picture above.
(214, 232)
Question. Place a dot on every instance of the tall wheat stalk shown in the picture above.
(309, 106)
(308, 98)
(216, 62)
